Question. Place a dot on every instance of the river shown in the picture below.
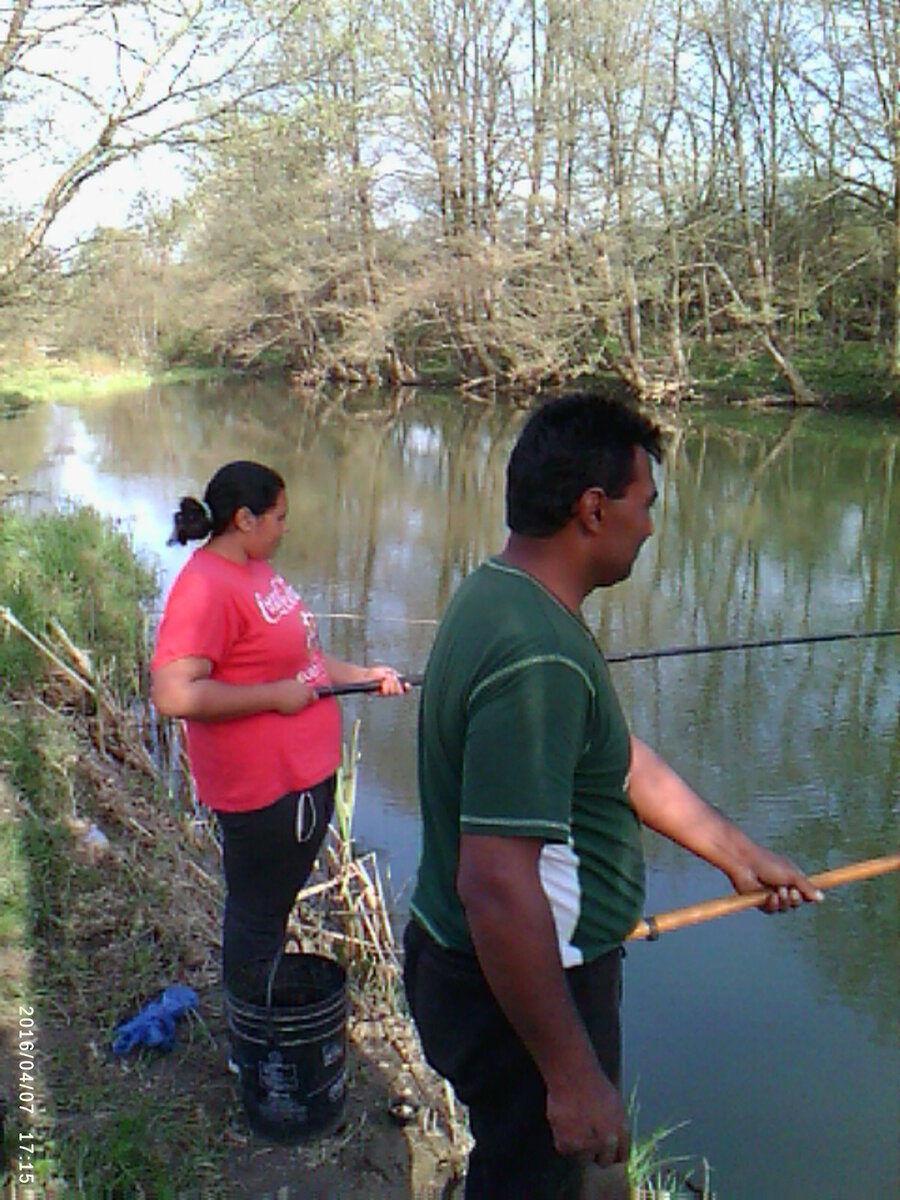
(775, 1040)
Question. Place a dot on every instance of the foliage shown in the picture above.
(654, 1175)
(847, 373)
(97, 84)
(92, 376)
(81, 572)
(513, 195)
(100, 948)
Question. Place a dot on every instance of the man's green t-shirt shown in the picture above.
(521, 734)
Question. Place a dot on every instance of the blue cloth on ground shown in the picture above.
(154, 1024)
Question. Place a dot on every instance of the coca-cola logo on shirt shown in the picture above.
(279, 602)
(311, 630)
(313, 674)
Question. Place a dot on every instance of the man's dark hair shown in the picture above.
(579, 441)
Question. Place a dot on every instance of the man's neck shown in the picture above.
(548, 561)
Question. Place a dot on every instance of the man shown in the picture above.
(533, 794)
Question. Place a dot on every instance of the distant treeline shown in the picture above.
(513, 195)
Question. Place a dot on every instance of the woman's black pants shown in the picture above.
(267, 856)
(467, 1039)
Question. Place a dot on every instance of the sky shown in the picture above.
(109, 198)
(82, 63)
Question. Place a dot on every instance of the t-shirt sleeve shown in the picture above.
(525, 734)
(196, 621)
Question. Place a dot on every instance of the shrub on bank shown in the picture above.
(78, 572)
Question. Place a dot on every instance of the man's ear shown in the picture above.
(590, 508)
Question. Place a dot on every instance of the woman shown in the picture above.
(238, 658)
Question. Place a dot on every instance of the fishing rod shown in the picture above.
(760, 644)
(650, 928)
(371, 685)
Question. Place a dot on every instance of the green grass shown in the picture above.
(101, 946)
(345, 791)
(80, 571)
(655, 1175)
(68, 381)
(142, 1153)
(88, 378)
(187, 374)
(12, 891)
(853, 374)
(17, 989)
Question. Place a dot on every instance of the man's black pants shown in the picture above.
(267, 855)
(467, 1039)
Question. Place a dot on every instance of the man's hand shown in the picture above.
(587, 1117)
(788, 886)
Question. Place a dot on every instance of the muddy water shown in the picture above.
(777, 1040)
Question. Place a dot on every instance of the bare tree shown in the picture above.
(747, 45)
(512, 193)
(848, 114)
(85, 85)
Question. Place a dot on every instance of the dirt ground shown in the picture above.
(378, 1149)
(394, 1139)
(368, 1156)
(386, 1145)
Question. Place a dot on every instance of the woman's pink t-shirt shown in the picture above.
(253, 628)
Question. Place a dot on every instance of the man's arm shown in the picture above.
(664, 802)
(514, 936)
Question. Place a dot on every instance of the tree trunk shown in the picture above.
(895, 356)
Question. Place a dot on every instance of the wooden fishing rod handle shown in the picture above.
(707, 910)
(368, 685)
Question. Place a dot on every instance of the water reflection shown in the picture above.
(768, 525)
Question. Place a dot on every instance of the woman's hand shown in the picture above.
(340, 672)
(390, 682)
(291, 695)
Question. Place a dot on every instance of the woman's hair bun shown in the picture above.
(190, 522)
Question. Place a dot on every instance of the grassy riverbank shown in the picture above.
(89, 377)
(853, 377)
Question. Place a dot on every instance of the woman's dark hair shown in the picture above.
(237, 485)
(568, 445)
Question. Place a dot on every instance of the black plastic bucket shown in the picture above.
(288, 1025)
